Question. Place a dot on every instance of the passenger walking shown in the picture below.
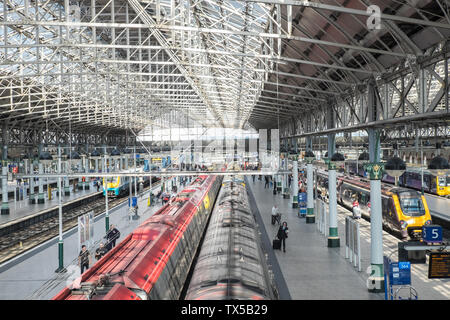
(283, 234)
(266, 182)
(355, 208)
(274, 214)
(112, 235)
(84, 258)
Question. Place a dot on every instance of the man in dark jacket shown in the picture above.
(283, 234)
(112, 235)
(84, 258)
(100, 252)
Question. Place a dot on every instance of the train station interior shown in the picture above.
(248, 150)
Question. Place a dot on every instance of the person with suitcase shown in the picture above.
(283, 234)
(276, 244)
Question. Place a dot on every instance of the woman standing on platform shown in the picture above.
(283, 234)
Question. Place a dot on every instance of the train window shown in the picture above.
(365, 199)
(111, 179)
(444, 181)
(433, 184)
(411, 204)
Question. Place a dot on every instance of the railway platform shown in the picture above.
(312, 271)
(32, 274)
(22, 208)
(12, 186)
(438, 207)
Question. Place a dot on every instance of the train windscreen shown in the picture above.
(112, 180)
(411, 204)
(444, 181)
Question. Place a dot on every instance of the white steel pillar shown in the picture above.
(295, 183)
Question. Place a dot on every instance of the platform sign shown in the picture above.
(85, 230)
(302, 203)
(432, 234)
(439, 265)
(400, 273)
(302, 197)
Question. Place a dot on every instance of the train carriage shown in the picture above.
(411, 178)
(120, 185)
(154, 260)
(231, 265)
(405, 211)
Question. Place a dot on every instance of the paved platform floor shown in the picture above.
(19, 209)
(33, 276)
(427, 289)
(314, 271)
(311, 270)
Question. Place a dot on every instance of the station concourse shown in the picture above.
(159, 117)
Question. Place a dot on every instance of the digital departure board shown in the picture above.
(439, 265)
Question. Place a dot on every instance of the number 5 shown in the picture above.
(435, 233)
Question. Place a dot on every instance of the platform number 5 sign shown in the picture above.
(432, 234)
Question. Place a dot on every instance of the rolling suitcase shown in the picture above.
(276, 244)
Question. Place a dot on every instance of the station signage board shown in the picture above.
(400, 273)
(432, 234)
(439, 265)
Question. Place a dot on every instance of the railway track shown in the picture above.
(20, 241)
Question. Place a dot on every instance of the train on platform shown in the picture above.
(120, 185)
(405, 211)
(231, 264)
(152, 262)
(412, 178)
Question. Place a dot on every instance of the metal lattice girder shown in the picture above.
(403, 28)
(414, 100)
(123, 64)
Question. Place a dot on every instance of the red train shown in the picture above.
(154, 260)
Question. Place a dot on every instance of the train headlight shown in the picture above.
(403, 224)
(428, 222)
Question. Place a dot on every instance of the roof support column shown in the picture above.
(294, 145)
(41, 195)
(333, 237)
(309, 144)
(105, 186)
(60, 219)
(5, 203)
(375, 282)
(67, 166)
(332, 136)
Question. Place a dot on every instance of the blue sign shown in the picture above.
(400, 273)
(138, 155)
(432, 234)
(146, 165)
(302, 197)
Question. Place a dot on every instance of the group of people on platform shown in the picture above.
(84, 257)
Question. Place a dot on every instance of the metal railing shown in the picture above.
(352, 242)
